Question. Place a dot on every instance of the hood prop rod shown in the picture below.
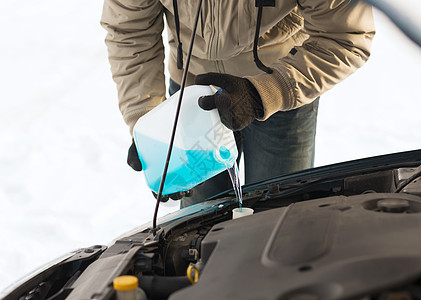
(183, 84)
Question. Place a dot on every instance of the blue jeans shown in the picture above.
(282, 144)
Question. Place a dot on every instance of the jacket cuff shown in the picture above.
(276, 91)
(132, 117)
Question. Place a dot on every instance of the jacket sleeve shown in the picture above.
(340, 34)
(136, 54)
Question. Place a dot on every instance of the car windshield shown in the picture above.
(64, 179)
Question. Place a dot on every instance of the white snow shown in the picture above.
(64, 182)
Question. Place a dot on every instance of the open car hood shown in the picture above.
(345, 231)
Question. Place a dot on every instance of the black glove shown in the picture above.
(175, 196)
(238, 101)
(134, 162)
(133, 158)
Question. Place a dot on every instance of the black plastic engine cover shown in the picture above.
(331, 248)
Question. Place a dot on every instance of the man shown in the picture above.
(305, 47)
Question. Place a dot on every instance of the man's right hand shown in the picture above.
(133, 158)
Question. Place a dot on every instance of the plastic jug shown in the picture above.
(203, 146)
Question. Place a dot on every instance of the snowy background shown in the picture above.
(64, 182)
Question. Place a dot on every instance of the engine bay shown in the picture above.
(346, 231)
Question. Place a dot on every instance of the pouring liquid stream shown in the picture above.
(235, 179)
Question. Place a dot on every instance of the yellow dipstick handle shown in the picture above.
(125, 283)
(196, 274)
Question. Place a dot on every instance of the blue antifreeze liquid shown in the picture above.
(187, 168)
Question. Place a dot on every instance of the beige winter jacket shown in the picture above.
(332, 39)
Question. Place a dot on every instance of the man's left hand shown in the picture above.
(238, 101)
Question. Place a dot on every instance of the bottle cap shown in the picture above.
(223, 155)
(125, 283)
